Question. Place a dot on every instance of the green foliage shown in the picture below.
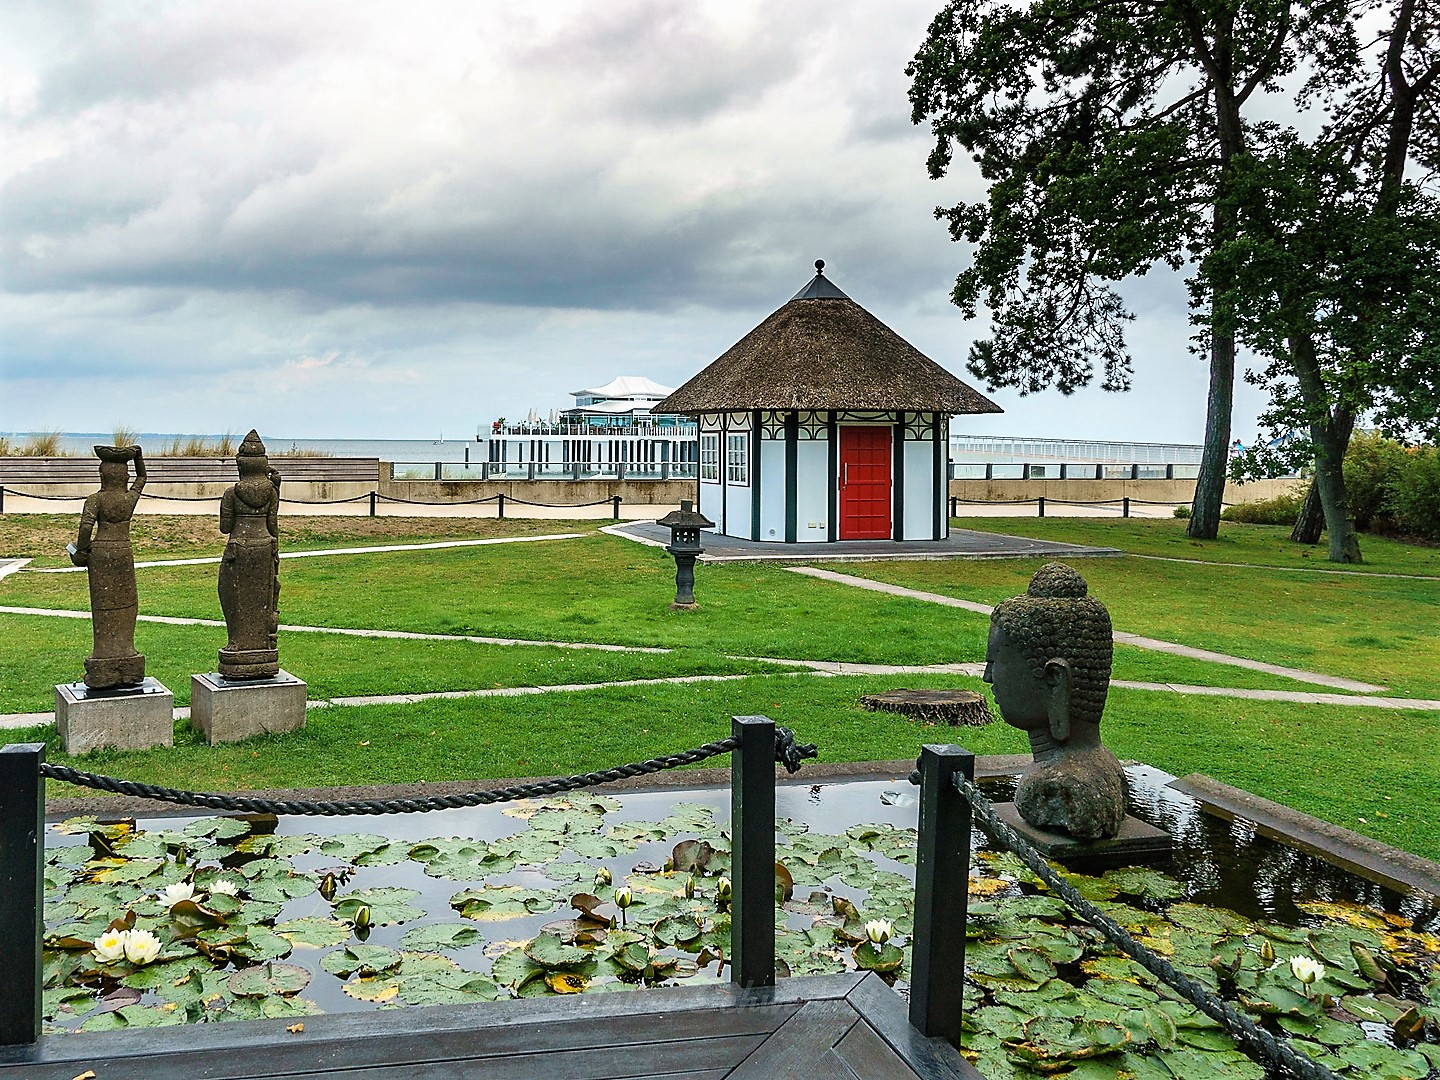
(1415, 494)
(1372, 464)
(1181, 512)
(1281, 510)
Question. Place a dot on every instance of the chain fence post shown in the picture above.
(942, 876)
(2, 498)
(752, 852)
(22, 884)
(500, 502)
(615, 507)
(954, 506)
(1040, 502)
(372, 504)
(1125, 506)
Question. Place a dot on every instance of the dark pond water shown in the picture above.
(1220, 862)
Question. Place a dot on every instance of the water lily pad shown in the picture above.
(267, 980)
(258, 944)
(566, 982)
(134, 1016)
(270, 1008)
(549, 952)
(314, 933)
(439, 936)
(886, 958)
(362, 959)
(1145, 882)
(1050, 1040)
(218, 828)
(678, 929)
(504, 902)
(387, 905)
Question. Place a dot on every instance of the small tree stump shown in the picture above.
(954, 707)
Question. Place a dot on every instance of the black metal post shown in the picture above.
(942, 876)
(1041, 503)
(1125, 506)
(22, 885)
(615, 507)
(439, 470)
(752, 852)
(954, 506)
(372, 504)
(500, 502)
(2, 499)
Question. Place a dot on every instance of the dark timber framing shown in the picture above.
(832, 432)
(897, 479)
(755, 474)
(792, 481)
(940, 476)
(22, 888)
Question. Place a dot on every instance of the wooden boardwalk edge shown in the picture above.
(679, 1031)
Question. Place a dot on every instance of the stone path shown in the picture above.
(405, 635)
(316, 554)
(1121, 637)
(817, 668)
(960, 544)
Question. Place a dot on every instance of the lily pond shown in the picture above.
(195, 920)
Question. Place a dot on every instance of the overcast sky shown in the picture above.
(382, 220)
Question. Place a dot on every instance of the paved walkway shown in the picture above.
(1121, 637)
(405, 635)
(316, 554)
(960, 544)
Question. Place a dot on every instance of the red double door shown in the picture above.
(865, 499)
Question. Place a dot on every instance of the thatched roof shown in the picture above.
(824, 351)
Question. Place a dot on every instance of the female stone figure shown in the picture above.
(249, 571)
(1048, 661)
(103, 547)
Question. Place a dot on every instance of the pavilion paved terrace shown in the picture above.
(960, 544)
(840, 1027)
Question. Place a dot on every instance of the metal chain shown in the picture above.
(1277, 1051)
(787, 753)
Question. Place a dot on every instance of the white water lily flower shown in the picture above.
(224, 888)
(879, 931)
(624, 897)
(141, 946)
(110, 946)
(723, 888)
(174, 894)
(1306, 969)
(602, 876)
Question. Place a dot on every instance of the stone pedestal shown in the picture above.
(227, 710)
(1137, 842)
(128, 718)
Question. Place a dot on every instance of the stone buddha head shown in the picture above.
(250, 459)
(1048, 661)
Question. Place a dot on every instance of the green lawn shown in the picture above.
(603, 589)
(1263, 545)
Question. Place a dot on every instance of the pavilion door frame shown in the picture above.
(840, 426)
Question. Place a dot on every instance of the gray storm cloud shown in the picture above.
(405, 214)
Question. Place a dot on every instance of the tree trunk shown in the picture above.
(1215, 457)
(1311, 521)
(1330, 483)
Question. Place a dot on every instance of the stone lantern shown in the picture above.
(685, 525)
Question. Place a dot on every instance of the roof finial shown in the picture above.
(820, 266)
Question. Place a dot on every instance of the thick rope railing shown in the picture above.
(1276, 1051)
(787, 752)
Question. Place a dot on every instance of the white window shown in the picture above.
(710, 457)
(737, 459)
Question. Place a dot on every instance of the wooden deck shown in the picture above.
(836, 1027)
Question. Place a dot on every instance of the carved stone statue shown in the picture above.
(103, 547)
(249, 571)
(1048, 661)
